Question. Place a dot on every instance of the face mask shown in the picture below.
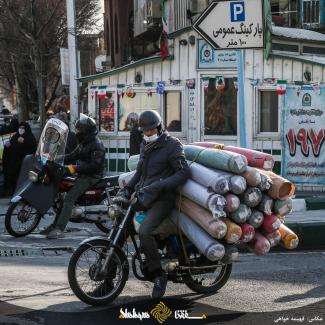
(152, 138)
(21, 131)
(129, 126)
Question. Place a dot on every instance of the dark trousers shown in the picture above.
(83, 183)
(154, 216)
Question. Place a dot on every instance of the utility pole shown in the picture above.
(73, 63)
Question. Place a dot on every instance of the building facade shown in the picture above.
(195, 89)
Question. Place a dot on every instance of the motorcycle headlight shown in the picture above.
(32, 176)
(113, 211)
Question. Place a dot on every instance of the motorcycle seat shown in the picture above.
(112, 180)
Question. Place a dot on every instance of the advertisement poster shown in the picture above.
(303, 136)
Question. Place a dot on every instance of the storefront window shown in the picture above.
(139, 103)
(173, 111)
(106, 113)
(220, 104)
(269, 111)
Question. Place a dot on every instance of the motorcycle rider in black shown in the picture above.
(161, 169)
(90, 158)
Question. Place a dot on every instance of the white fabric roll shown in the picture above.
(201, 195)
(208, 246)
(125, 178)
(209, 178)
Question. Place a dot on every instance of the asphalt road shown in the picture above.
(35, 290)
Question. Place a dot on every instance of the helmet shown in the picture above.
(149, 120)
(85, 127)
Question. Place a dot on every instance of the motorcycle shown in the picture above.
(42, 185)
(99, 267)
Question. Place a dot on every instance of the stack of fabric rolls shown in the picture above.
(231, 198)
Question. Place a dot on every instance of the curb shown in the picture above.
(308, 203)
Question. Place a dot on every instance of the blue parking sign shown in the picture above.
(237, 11)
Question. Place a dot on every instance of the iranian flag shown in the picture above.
(281, 87)
(101, 93)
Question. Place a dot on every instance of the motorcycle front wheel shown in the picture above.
(89, 286)
(21, 219)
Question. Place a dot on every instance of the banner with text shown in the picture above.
(303, 123)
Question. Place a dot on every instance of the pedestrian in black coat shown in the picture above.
(136, 136)
(23, 143)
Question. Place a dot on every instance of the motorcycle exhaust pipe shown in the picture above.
(91, 209)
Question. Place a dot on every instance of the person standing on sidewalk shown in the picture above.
(161, 169)
(136, 136)
(89, 159)
(23, 143)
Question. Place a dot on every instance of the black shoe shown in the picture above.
(46, 230)
(159, 288)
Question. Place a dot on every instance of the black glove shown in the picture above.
(149, 194)
(125, 192)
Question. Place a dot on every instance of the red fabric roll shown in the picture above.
(271, 223)
(254, 158)
(248, 232)
(259, 245)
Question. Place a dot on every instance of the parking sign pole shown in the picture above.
(241, 98)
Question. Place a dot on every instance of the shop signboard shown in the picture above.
(303, 135)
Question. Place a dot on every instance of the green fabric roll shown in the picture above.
(282, 207)
(215, 158)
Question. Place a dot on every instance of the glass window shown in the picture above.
(173, 111)
(106, 113)
(220, 107)
(139, 103)
(269, 111)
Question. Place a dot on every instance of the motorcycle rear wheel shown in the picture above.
(102, 290)
(220, 280)
(23, 217)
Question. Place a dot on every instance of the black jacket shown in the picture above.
(90, 157)
(136, 138)
(161, 169)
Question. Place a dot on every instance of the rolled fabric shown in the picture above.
(259, 244)
(125, 178)
(133, 162)
(254, 158)
(266, 204)
(237, 183)
(252, 176)
(233, 202)
(215, 227)
(215, 158)
(266, 183)
(209, 178)
(281, 187)
(256, 219)
(251, 197)
(271, 223)
(248, 232)
(200, 195)
(289, 239)
(234, 232)
(231, 254)
(282, 207)
(274, 238)
(207, 245)
(242, 214)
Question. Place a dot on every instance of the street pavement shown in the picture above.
(34, 289)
